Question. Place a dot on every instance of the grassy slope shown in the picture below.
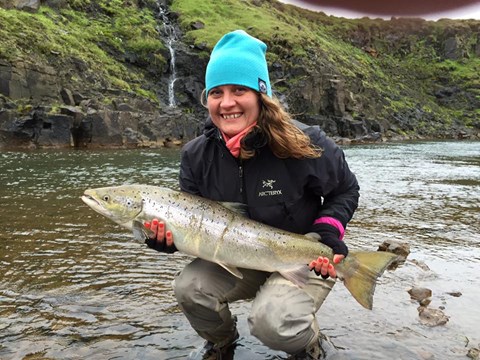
(404, 75)
(103, 35)
(97, 35)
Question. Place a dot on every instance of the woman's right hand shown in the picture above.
(160, 239)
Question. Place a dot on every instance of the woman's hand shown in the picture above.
(160, 239)
(324, 268)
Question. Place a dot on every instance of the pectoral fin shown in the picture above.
(140, 232)
(232, 270)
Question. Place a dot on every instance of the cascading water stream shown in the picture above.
(169, 32)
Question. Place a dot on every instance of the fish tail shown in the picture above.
(360, 273)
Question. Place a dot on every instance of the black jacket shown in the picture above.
(285, 193)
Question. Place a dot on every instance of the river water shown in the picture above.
(73, 285)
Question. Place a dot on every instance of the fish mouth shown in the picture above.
(89, 200)
(95, 204)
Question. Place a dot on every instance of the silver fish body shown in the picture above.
(214, 232)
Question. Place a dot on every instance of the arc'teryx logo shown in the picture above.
(268, 184)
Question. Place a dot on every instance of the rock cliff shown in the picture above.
(81, 73)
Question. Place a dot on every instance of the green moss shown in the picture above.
(146, 94)
(466, 71)
(100, 41)
(394, 67)
(265, 22)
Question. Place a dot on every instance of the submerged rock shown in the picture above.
(420, 294)
(432, 317)
(420, 264)
(474, 354)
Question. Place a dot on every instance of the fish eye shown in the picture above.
(106, 198)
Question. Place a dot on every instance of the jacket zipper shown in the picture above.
(240, 171)
(240, 174)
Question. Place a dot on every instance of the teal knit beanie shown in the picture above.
(238, 59)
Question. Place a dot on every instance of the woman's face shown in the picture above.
(233, 108)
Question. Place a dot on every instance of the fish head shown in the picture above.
(122, 204)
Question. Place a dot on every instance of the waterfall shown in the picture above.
(169, 33)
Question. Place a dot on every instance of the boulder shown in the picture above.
(27, 5)
(432, 317)
(20, 80)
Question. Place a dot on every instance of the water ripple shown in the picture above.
(75, 286)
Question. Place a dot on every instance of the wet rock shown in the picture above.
(67, 97)
(420, 294)
(420, 264)
(343, 141)
(455, 293)
(122, 106)
(425, 302)
(432, 317)
(21, 79)
(78, 98)
(134, 139)
(400, 249)
(75, 112)
(474, 354)
(36, 129)
(348, 127)
(426, 355)
(55, 131)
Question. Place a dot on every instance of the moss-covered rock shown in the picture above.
(364, 79)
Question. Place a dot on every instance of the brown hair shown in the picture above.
(284, 138)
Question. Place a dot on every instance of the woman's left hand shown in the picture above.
(324, 268)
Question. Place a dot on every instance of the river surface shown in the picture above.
(74, 285)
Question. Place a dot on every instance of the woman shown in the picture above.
(289, 175)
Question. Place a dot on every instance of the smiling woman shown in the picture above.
(393, 8)
(289, 176)
(233, 109)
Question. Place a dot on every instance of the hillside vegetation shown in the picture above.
(402, 77)
(401, 63)
(94, 40)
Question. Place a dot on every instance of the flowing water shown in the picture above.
(169, 32)
(73, 285)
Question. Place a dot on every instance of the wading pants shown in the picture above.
(282, 314)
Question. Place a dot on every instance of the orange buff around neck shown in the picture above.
(233, 143)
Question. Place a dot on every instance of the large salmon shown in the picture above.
(219, 233)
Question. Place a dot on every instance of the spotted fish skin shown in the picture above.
(216, 232)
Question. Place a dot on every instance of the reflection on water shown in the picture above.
(73, 285)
